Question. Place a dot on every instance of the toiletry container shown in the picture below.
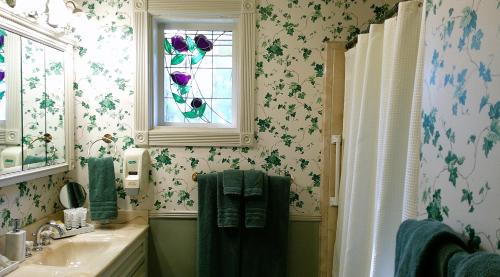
(11, 157)
(15, 242)
(136, 170)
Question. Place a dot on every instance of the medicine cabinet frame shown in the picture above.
(44, 35)
(145, 14)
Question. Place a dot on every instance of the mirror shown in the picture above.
(72, 195)
(35, 93)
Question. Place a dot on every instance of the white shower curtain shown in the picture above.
(381, 140)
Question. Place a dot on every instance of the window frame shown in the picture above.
(148, 17)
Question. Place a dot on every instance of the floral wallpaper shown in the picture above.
(460, 154)
(289, 71)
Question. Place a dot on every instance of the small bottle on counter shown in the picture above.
(15, 243)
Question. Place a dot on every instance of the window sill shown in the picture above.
(162, 136)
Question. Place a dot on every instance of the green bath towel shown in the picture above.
(423, 248)
(218, 249)
(102, 189)
(483, 264)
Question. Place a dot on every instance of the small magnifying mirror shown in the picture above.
(72, 195)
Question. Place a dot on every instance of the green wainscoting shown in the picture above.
(172, 248)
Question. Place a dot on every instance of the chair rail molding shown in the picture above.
(145, 131)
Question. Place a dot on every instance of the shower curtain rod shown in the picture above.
(390, 13)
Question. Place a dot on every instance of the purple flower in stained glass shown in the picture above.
(2, 75)
(196, 103)
(180, 78)
(1, 40)
(203, 43)
(179, 43)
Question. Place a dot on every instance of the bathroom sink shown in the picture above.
(72, 254)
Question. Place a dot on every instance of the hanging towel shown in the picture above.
(264, 250)
(228, 205)
(218, 249)
(233, 182)
(424, 248)
(102, 189)
(483, 264)
(256, 197)
(253, 183)
(30, 159)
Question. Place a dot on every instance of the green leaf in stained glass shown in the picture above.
(177, 59)
(2, 32)
(185, 89)
(201, 110)
(191, 44)
(167, 46)
(190, 114)
(198, 57)
(2, 94)
(2, 59)
(178, 98)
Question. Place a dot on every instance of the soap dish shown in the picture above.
(13, 265)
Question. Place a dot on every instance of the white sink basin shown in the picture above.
(72, 254)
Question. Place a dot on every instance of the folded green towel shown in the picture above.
(102, 189)
(256, 197)
(264, 250)
(218, 249)
(423, 248)
(30, 159)
(253, 182)
(233, 182)
(228, 205)
(483, 264)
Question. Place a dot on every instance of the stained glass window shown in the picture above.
(3, 87)
(198, 77)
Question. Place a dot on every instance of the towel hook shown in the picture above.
(47, 138)
(107, 138)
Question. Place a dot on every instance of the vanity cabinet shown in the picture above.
(132, 261)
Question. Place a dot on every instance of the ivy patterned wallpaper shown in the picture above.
(290, 68)
(460, 154)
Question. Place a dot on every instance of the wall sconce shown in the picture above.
(59, 12)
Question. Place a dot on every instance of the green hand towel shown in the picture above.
(102, 189)
(256, 197)
(30, 159)
(228, 205)
(233, 182)
(218, 249)
(264, 250)
(253, 182)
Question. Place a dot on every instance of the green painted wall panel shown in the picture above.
(172, 248)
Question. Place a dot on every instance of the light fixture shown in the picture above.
(59, 12)
(73, 7)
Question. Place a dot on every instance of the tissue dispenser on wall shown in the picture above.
(136, 170)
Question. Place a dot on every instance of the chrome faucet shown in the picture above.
(41, 240)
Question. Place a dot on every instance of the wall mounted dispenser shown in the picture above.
(136, 170)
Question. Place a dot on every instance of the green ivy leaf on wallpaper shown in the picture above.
(473, 240)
